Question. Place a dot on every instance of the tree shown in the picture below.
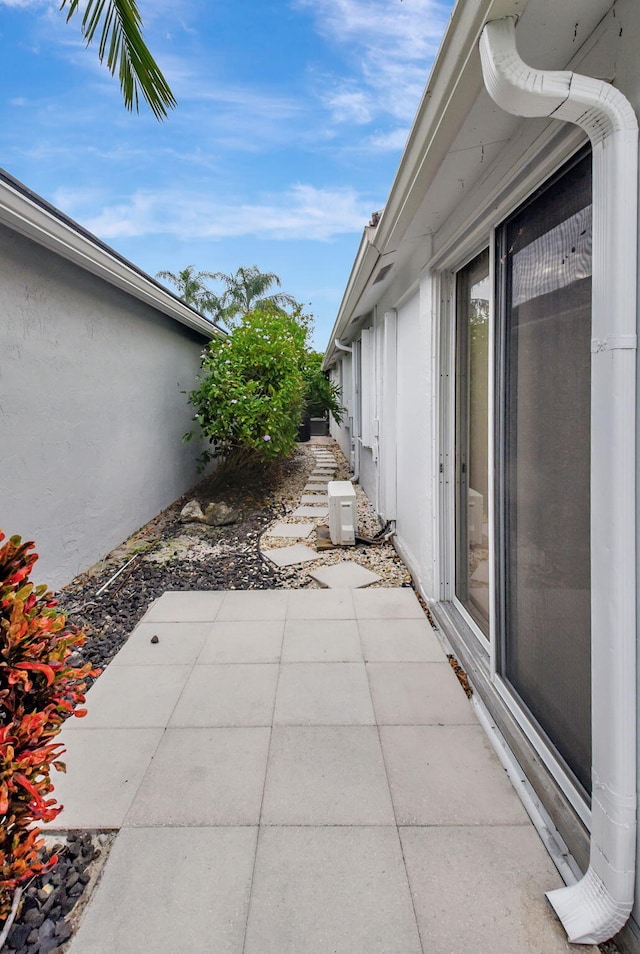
(246, 290)
(122, 43)
(191, 287)
(251, 391)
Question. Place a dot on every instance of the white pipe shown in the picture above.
(598, 906)
(338, 344)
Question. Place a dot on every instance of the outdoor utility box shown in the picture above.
(343, 512)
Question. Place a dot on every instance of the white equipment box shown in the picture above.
(343, 512)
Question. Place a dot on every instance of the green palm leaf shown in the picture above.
(122, 43)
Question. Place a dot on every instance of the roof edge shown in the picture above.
(26, 212)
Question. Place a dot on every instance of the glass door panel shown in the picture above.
(544, 287)
(472, 439)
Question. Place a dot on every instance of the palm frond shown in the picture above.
(122, 43)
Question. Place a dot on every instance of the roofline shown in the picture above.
(32, 216)
(453, 86)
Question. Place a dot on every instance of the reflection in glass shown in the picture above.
(545, 278)
(472, 439)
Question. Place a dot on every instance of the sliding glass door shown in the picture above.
(544, 320)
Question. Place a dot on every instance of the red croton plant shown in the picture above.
(39, 689)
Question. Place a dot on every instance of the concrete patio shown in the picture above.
(299, 772)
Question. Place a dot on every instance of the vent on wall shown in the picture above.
(382, 274)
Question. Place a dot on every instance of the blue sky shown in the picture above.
(291, 119)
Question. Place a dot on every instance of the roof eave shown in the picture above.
(31, 216)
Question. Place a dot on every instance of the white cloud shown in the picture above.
(393, 140)
(302, 212)
(26, 3)
(350, 105)
(390, 43)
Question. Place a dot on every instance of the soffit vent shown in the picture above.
(382, 274)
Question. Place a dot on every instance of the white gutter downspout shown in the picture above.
(598, 906)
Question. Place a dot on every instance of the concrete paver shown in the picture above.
(176, 643)
(417, 694)
(447, 775)
(216, 778)
(290, 556)
(172, 889)
(326, 775)
(330, 891)
(498, 871)
(346, 574)
(323, 694)
(296, 530)
(314, 499)
(253, 604)
(243, 641)
(105, 768)
(299, 772)
(320, 604)
(313, 641)
(307, 511)
(227, 695)
(399, 640)
(132, 697)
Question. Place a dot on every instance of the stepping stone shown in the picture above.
(310, 512)
(300, 530)
(345, 575)
(319, 479)
(315, 488)
(289, 556)
(314, 499)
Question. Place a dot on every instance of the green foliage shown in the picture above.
(191, 287)
(320, 395)
(38, 691)
(122, 43)
(245, 290)
(250, 397)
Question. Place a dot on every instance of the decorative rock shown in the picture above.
(221, 514)
(192, 513)
(155, 639)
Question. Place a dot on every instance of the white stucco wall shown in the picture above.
(91, 414)
(415, 466)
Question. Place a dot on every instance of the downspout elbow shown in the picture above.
(598, 906)
(338, 344)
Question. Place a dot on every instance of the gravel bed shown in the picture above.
(167, 554)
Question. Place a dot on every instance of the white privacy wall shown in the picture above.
(91, 414)
(415, 522)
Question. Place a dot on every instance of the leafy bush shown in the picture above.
(320, 395)
(250, 397)
(38, 690)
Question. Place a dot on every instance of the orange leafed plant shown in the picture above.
(39, 689)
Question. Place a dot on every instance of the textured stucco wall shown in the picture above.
(91, 414)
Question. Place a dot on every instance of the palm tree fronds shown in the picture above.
(122, 43)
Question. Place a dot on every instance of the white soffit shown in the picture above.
(27, 213)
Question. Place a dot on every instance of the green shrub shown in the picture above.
(250, 397)
(320, 395)
(38, 691)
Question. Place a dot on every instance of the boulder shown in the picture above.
(221, 514)
(192, 513)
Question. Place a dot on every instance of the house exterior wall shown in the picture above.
(91, 409)
(441, 240)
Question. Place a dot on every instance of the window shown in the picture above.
(472, 439)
